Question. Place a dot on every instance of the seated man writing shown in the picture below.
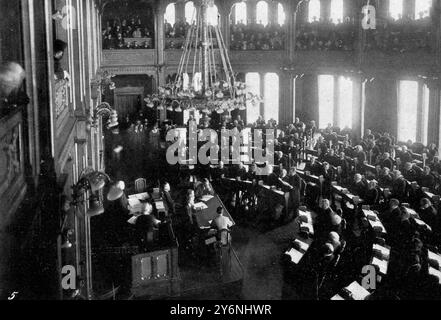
(221, 222)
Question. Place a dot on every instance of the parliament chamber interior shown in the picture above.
(220, 149)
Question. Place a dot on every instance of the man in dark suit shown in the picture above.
(427, 179)
(359, 186)
(168, 200)
(399, 186)
(387, 161)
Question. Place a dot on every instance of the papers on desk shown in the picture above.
(378, 226)
(305, 216)
(421, 223)
(381, 264)
(200, 206)
(140, 196)
(135, 206)
(207, 198)
(337, 297)
(295, 255)
(160, 206)
(357, 291)
(132, 220)
(434, 259)
(382, 251)
(435, 272)
(302, 246)
(307, 227)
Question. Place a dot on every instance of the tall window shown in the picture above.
(170, 14)
(345, 102)
(271, 96)
(396, 9)
(326, 100)
(425, 118)
(422, 8)
(213, 15)
(314, 10)
(281, 16)
(337, 11)
(190, 12)
(407, 110)
(252, 80)
(240, 12)
(262, 13)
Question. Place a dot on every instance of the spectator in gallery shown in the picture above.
(59, 48)
(154, 137)
(137, 33)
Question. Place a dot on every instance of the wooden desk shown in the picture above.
(374, 221)
(204, 217)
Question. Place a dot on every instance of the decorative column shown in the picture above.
(358, 106)
(434, 112)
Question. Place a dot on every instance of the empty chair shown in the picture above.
(140, 185)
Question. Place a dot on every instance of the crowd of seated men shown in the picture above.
(176, 34)
(127, 33)
(388, 177)
(402, 35)
(256, 36)
(326, 36)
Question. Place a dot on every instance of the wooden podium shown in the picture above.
(155, 274)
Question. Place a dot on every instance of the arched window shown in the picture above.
(190, 12)
(262, 13)
(281, 16)
(337, 11)
(396, 9)
(252, 80)
(422, 8)
(213, 15)
(170, 14)
(240, 12)
(314, 10)
(271, 97)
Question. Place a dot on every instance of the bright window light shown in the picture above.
(240, 10)
(252, 81)
(170, 14)
(271, 97)
(337, 11)
(213, 15)
(345, 101)
(422, 8)
(314, 10)
(281, 16)
(190, 12)
(326, 100)
(426, 97)
(262, 13)
(396, 9)
(407, 110)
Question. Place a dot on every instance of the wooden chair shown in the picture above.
(140, 185)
